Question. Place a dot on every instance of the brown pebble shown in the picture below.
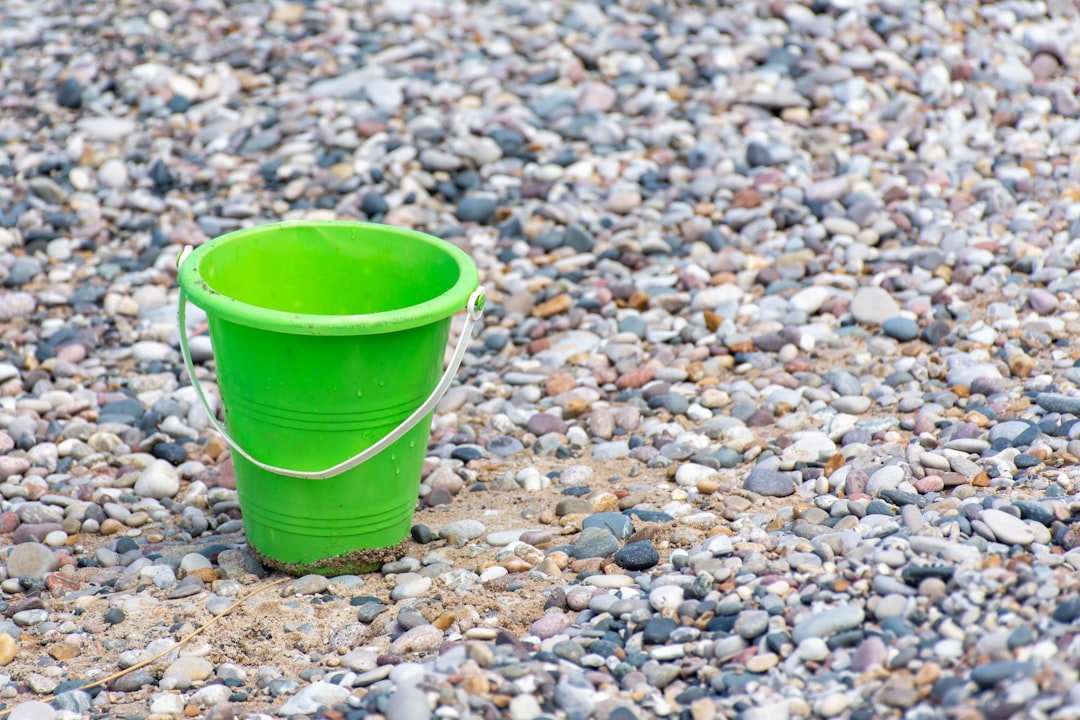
(548, 567)
(64, 651)
(558, 383)
(605, 502)
(740, 346)
(635, 379)
(585, 565)
(536, 537)
(214, 446)
(8, 648)
(713, 321)
(515, 564)
(639, 301)
(746, 198)
(111, 526)
(560, 558)
(554, 306)
(708, 486)
(476, 684)
(928, 674)
(576, 407)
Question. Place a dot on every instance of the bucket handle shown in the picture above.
(475, 308)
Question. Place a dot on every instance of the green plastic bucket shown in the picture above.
(329, 339)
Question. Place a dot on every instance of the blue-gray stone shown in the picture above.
(633, 324)
(578, 238)
(1021, 636)
(901, 498)
(1067, 611)
(991, 674)
(574, 695)
(901, 328)
(828, 622)
(70, 96)
(843, 382)
(75, 701)
(617, 524)
(673, 402)
(637, 556)
(123, 411)
(374, 204)
(726, 458)
(1025, 460)
(569, 650)
(649, 516)
(877, 507)
(476, 209)
(260, 142)
(758, 155)
(132, 681)
(1029, 435)
(504, 446)
(771, 483)
(1034, 511)
(657, 630)
(1056, 402)
(751, 624)
(594, 542)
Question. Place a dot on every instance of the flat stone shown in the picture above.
(617, 524)
(549, 625)
(826, 623)
(594, 542)
(311, 698)
(873, 305)
(31, 559)
(463, 529)
(1007, 528)
(640, 555)
(1056, 402)
(420, 639)
(771, 483)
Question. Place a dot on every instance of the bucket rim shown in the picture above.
(236, 311)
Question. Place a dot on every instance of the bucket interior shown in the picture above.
(330, 269)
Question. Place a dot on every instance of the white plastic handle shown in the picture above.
(475, 308)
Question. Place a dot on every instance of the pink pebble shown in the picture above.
(929, 484)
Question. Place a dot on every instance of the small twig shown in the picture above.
(148, 661)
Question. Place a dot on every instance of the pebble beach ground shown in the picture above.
(774, 412)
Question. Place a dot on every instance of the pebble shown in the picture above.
(420, 639)
(1008, 528)
(770, 483)
(312, 697)
(32, 560)
(828, 622)
(463, 529)
(640, 555)
(159, 480)
(873, 305)
(901, 328)
(595, 542)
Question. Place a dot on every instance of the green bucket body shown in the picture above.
(327, 335)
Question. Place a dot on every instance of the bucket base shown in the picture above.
(355, 562)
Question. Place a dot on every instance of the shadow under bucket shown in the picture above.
(329, 340)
